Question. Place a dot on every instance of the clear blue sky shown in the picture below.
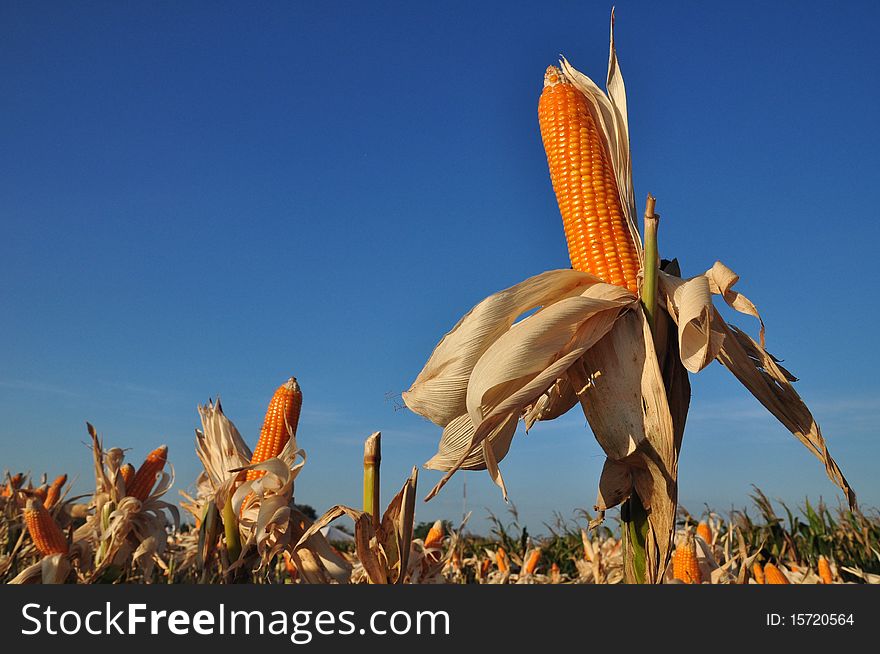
(203, 198)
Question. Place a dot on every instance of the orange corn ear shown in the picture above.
(44, 531)
(555, 574)
(532, 561)
(435, 535)
(825, 571)
(758, 573)
(13, 485)
(501, 560)
(484, 567)
(598, 235)
(283, 411)
(704, 532)
(55, 491)
(684, 563)
(773, 575)
(145, 477)
(290, 566)
(127, 474)
(41, 493)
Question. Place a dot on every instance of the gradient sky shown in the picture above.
(203, 198)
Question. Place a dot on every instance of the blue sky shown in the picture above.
(203, 198)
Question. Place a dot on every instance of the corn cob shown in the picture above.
(41, 493)
(825, 571)
(145, 477)
(13, 484)
(501, 560)
(44, 531)
(283, 411)
(773, 575)
(596, 229)
(758, 573)
(127, 474)
(532, 561)
(684, 563)
(435, 535)
(55, 491)
(290, 566)
(704, 532)
(555, 574)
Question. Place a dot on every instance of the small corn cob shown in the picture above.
(484, 568)
(704, 532)
(773, 575)
(55, 491)
(41, 493)
(532, 561)
(435, 535)
(283, 411)
(555, 574)
(825, 571)
(127, 473)
(290, 566)
(145, 477)
(456, 560)
(684, 563)
(13, 484)
(758, 573)
(44, 531)
(596, 229)
(501, 560)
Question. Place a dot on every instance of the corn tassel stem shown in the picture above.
(230, 529)
(372, 460)
(633, 513)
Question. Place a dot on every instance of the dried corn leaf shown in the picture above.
(769, 383)
(556, 401)
(439, 391)
(457, 437)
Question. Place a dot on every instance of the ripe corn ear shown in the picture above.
(44, 531)
(596, 228)
(435, 535)
(825, 571)
(41, 493)
(55, 491)
(758, 573)
(501, 560)
(684, 563)
(145, 477)
(704, 532)
(127, 473)
(532, 561)
(283, 411)
(773, 575)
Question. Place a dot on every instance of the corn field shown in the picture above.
(125, 532)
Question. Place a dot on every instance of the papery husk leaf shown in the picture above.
(363, 535)
(615, 484)
(332, 564)
(769, 383)
(627, 408)
(439, 391)
(457, 437)
(510, 375)
(397, 527)
(621, 388)
(532, 345)
(559, 399)
(219, 445)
